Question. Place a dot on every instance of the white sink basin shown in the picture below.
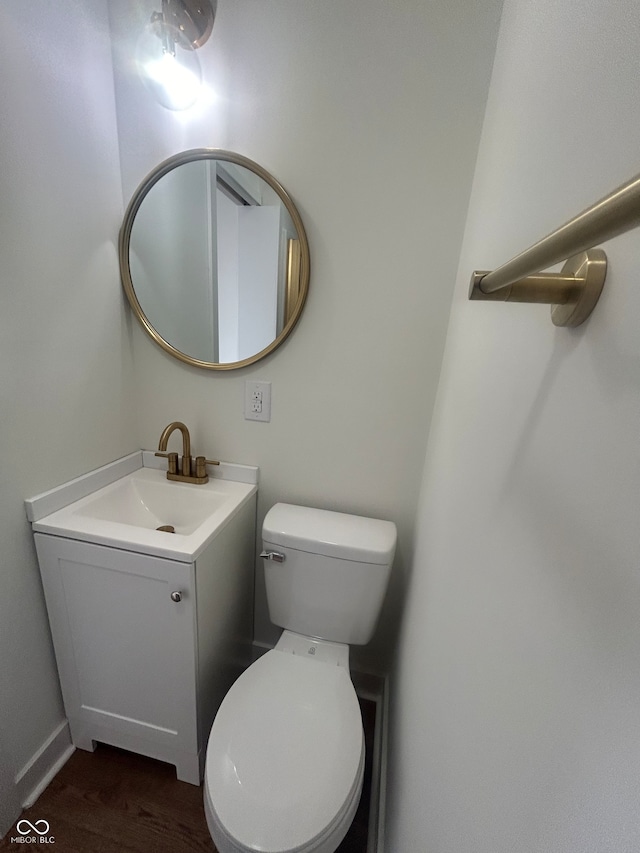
(144, 500)
(128, 513)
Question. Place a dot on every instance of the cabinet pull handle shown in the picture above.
(273, 555)
(176, 596)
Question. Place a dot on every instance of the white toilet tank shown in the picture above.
(334, 575)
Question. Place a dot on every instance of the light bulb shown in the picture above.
(168, 66)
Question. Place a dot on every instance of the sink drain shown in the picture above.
(166, 528)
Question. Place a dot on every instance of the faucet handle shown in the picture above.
(173, 461)
(201, 465)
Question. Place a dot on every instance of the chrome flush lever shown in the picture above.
(276, 556)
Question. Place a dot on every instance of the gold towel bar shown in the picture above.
(574, 291)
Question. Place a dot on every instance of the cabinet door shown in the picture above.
(125, 650)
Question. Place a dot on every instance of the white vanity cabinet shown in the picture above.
(147, 646)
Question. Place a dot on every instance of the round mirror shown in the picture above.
(214, 259)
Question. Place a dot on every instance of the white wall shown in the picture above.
(65, 366)
(516, 723)
(227, 251)
(369, 114)
(258, 271)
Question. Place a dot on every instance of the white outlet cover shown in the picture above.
(257, 396)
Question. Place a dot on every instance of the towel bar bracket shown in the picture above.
(572, 293)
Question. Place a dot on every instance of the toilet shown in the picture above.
(285, 758)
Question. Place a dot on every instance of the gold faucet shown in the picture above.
(190, 470)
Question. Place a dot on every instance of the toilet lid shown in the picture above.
(284, 751)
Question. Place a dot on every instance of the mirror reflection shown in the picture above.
(214, 259)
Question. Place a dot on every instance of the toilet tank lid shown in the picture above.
(331, 534)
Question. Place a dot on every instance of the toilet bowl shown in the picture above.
(285, 758)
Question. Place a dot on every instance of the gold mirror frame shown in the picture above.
(298, 256)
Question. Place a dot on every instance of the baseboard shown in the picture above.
(374, 688)
(381, 751)
(43, 765)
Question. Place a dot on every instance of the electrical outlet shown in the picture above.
(257, 401)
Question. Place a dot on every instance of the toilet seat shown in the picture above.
(285, 758)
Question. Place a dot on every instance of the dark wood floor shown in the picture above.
(112, 801)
